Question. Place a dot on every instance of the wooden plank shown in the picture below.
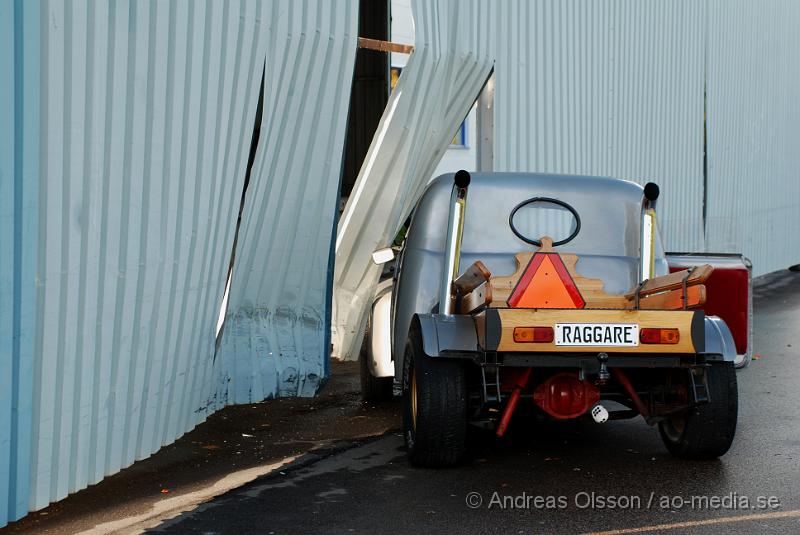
(673, 281)
(673, 299)
(384, 46)
(477, 299)
(594, 294)
(669, 319)
(474, 276)
(592, 290)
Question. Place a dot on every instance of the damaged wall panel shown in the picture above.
(275, 338)
(450, 63)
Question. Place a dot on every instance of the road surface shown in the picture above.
(559, 478)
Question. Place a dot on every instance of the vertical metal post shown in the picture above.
(647, 253)
(452, 251)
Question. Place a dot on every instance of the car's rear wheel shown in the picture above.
(706, 431)
(434, 407)
(373, 388)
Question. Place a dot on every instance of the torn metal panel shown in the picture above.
(276, 337)
(450, 63)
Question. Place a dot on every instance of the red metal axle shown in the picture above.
(620, 376)
(522, 382)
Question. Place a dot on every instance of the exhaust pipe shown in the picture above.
(452, 251)
(647, 256)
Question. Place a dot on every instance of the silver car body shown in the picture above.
(380, 336)
(608, 243)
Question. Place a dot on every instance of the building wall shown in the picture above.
(617, 89)
(125, 132)
(19, 201)
(606, 89)
(753, 131)
(622, 88)
(457, 157)
(130, 146)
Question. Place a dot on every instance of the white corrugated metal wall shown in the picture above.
(610, 89)
(121, 177)
(754, 131)
(617, 89)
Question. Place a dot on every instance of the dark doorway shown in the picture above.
(370, 91)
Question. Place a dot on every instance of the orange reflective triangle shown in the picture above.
(546, 283)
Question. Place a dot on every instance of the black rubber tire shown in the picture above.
(439, 437)
(373, 388)
(706, 431)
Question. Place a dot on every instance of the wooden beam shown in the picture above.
(474, 276)
(591, 289)
(477, 299)
(384, 46)
(673, 281)
(673, 299)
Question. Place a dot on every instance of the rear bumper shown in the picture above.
(477, 338)
(580, 361)
(495, 328)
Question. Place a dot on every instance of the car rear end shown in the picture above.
(589, 323)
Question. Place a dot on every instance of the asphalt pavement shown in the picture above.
(234, 446)
(556, 478)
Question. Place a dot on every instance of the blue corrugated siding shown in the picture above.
(124, 137)
(19, 174)
(7, 273)
(149, 107)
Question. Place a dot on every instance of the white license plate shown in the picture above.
(597, 334)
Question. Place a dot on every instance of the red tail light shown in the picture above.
(537, 335)
(659, 336)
